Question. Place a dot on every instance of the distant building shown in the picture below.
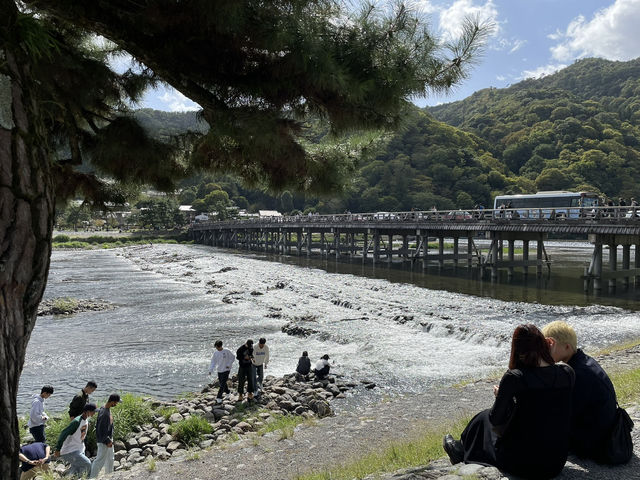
(188, 212)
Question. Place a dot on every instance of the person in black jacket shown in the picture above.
(594, 397)
(244, 354)
(304, 364)
(80, 400)
(526, 431)
(104, 438)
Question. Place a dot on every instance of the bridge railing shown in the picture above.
(599, 214)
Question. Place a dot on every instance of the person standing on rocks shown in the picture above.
(594, 398)
(104, 438)
(221, 362)
(244, 354)
(70, 446)
(260, 361)
(79, 401)
(322, 367)
(37, 416)
(304, 365)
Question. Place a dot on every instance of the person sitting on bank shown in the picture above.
(526, 431)
(322, 367)
(594, 398)
(80, 399)
(304, 364)
(35, 459)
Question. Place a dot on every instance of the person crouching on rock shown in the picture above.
(304, 366)
(526, 432)
(244, 354)
(322, 367)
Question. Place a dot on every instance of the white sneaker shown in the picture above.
(218, 400)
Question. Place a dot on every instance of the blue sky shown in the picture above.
(532, 38)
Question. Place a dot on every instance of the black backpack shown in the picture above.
(618, 447)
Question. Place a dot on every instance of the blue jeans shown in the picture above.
(79, 464)
(104, 458)
(38, 433)
(258, 376)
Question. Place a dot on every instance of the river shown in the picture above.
(404, 330)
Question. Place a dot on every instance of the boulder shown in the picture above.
(143, 441)
(173, 446)
(131, 443)
(175, 418)
(244, 426)
(118, 445)
(320, 407)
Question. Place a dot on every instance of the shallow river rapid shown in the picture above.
(173, 301)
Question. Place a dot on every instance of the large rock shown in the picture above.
(175, 418)
(131, 443)
(320, 407)
(165, 440)
(173, 446)
(118, 445)
(143, 441)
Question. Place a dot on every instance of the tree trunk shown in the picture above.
(26, 223)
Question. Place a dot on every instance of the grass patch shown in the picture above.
(627, 385)
(131, 411)
(192, 455)
(191, 430)
(618, 347)
(166, 412)
(396, 456)
(151, 464)
(285, 424)
(65, 304)
(104, 241)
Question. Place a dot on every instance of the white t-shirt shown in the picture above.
(75, 441)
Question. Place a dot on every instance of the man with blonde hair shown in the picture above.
(594, 398)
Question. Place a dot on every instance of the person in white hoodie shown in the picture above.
(221, 362)
(260, 362)
(37, 416)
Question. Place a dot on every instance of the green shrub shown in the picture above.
(166, 412)
(61, 239)
(130, 412)
(190, 430)
(65, 304)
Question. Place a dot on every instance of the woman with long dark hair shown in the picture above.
(526, 431)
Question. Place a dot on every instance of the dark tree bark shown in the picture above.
(26, 223)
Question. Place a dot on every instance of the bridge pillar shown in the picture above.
(510, 255)
(390, 250)
(539, 250)
(469, 251)
(405, 247)
(525, 256)
(309, 244)
(441, 251)
(455, 251)
(425, 249)
(322, 244)
(613, 263)
(365, 247)
(626, 256)
(336, 241)
(376, 246)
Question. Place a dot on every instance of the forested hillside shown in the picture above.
(576, 129)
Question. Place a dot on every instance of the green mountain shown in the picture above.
(578, 129)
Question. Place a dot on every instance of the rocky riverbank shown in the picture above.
(294, 397)
(69, 306)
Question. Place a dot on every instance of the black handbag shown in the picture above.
(619, 446)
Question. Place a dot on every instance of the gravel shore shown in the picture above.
(357, 431)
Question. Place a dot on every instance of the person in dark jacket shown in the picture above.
(304, 364)
(244, 354)
(594, 397)
(322, 367)
(104, 438)
(76, 406)
(526, 431)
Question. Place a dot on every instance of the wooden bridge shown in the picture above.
(441, 237)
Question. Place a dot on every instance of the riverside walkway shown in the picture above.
(441, 237)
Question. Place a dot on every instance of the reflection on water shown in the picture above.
(403, 329)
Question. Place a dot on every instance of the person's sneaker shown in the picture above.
(454, 449)
(218, 400)
(240, 397)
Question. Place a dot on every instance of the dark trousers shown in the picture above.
(258, 372)
(222, 378)
(245, 374)
(38, 433)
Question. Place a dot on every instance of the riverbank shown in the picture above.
(331, 448)
(93, 240)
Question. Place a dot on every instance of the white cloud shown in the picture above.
(612, 33)
(542, 71)
(451, 19)
(175, 101)
(501, 78)
(517, 45)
